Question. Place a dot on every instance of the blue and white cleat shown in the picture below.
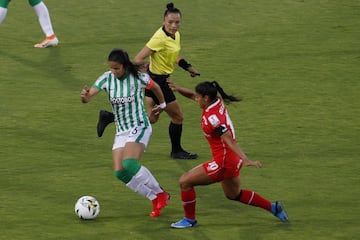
(184, 223)
(278, 210)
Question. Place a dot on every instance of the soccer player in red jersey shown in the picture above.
(227, 157)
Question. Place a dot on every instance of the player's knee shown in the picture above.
(233, 197)
(131, 165)
(4, 3)
(184, 183)
(34, 2)
(230, 197)
(176, 115)
(123, 175)
(177, 119)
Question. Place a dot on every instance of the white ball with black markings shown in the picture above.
(87, 208)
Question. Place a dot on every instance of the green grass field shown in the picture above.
(296, 64)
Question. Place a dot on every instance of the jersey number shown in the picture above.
(212, 166)
(134, 131)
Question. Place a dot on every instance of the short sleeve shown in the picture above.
(216, 125)
(146, 80)
(101, 82)
(155, 43)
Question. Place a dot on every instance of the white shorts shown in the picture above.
(140, 134)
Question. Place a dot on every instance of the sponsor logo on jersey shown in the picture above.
(122, 100)
(214, 120)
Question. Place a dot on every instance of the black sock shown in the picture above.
(111, 116)
(175, 131)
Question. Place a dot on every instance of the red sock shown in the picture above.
(188, 199)
(252, 198)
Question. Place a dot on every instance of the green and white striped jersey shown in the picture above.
(126, 97)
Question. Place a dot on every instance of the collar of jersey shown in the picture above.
(121, 79)
(213, 104)
(167, 34)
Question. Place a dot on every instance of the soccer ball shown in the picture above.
(87, 207)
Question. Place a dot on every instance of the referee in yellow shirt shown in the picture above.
(163, 50)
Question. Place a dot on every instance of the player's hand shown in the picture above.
(256, 164)
(193, 72)
(85, 94)
(172, 85)
(144, 67)
(156, 110)
(155, 114)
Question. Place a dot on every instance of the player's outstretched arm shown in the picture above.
(144, 53)
(187, 66)
(183, 91)
(86, 94)
(227, 138)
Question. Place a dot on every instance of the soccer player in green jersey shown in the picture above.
(163, 51)
(125, 86)
(44, 19)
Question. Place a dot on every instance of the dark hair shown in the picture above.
(171, 9)
(211, 89)
(122, 57)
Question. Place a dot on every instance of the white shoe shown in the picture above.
(48, 42)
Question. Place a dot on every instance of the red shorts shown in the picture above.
(220, 169)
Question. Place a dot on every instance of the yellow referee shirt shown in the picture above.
(166, 50)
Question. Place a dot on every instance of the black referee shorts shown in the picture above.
(166, 90)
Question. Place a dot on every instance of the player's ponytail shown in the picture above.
(211, 89)
(225, 97)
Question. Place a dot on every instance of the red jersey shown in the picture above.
(215, 121)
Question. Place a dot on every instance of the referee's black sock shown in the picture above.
(175, 131)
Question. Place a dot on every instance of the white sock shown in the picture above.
(141, 189)
(44, 18)
(3, 12)
(145, 176)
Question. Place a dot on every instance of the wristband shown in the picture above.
(184, 64)
(162, 105)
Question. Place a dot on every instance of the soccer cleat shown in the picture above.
(183, 155)
(48, 42)
(159, 203)
(162, 199)
(105, 118)
(155, 212)
(184, 223)
(278, 210)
